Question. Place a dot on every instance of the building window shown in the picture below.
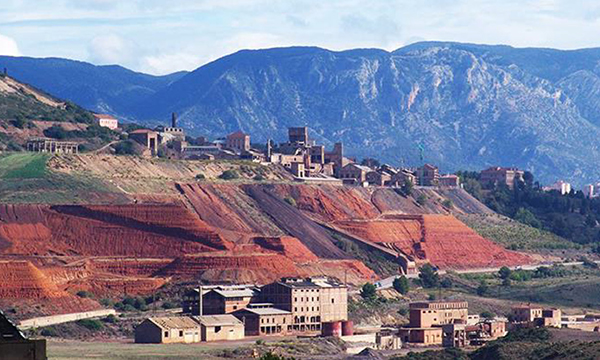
(166, 334)
(333, 301)
(180, 333)
(217, 329)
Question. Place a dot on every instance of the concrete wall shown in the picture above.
(59, 319)
(216, 333)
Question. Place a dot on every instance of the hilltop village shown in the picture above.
(306, 160)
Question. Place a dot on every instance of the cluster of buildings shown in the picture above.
(535, 316)
(448, 324)
(230, 312)
(589, 191)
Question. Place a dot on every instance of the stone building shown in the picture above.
(259, 319)
(189, 329)
(449, 180)
(403, 176)
(356, 172)
(536, 316)
(220, 327)
(379, 178)
(147, 138)
(427, 175)
(500, 176)
(311, 301)
(428, 318)
(168, 330)
(298, 135)
(221, 299)
(526, 313)
(238, 142)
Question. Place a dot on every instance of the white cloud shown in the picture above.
(8, 46)
(111, 49)
(169, 62)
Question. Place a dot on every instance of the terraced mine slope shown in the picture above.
(157, 223)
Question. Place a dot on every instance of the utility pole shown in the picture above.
(200, 299)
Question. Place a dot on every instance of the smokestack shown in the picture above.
(173, 120)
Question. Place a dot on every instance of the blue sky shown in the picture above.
(160, 36)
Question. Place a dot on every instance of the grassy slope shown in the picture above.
(25, 178)
(515, 235)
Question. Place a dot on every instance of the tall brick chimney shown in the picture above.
(173, 120)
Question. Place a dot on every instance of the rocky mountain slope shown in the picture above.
(104, 89)
(470, 106)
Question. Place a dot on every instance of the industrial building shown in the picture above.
(264, 319)
(107, 121)
(189, 329)
(500, 176)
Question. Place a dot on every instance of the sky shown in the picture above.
(162, 36)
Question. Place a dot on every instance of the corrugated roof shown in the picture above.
(235, 293)
(174, 322)
(267, 311)
(217, 320)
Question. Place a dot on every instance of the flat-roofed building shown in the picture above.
(107, 121)
(428, 314)
(500, 176)
(220, 327)
(424, 336)
(147, 138)
(238, 141)
(526, 313)
(312, 301)
(260, 320)
(449, 180)
(168, 330)
(428, 175)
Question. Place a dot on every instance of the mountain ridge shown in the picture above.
(470, 105)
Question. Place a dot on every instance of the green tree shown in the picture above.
(229, 175)
(407, 188)
(401, 285)
(429, 276)
(421, 199)
(368, 291)
(504, 272)
(483, 288)
(526, 217)
(446, 283)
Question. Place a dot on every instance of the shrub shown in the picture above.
(90, 324)
(504, 272)
(403, 311)
(290, 200)
(421, 199)
(229, 175)
(126, 147)
(84, 294)
(429, 276)
(111, 319)
(200, 177)
(446, 283)
(168, 305)
(368, 291)
(56, 132)
(49, 332)
(431, 297)
(448, 204)
(259, 177)
(271, 356)
(487, 315)
(401, 285)
(106, 302)
(483, 288)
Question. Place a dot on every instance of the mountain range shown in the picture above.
(469, 106)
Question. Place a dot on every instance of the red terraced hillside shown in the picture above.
(126, 230)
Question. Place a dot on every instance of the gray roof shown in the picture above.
(267, 311)
(174, 322)
(235, 293)
(217, 320)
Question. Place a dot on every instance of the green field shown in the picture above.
(25, 178)
(23, 166)
(515, 235)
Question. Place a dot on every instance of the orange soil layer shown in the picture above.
(105, 286)
(127, 230)
(287, 246)
(442, 240)
(22, 281)
(450, 244)
(130, 267)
